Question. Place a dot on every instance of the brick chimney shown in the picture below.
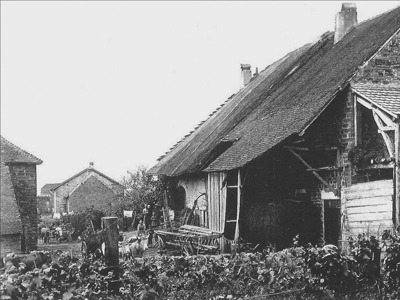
(345, 20)
(246, 74)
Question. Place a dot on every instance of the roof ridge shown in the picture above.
(20, 150)
(377, 16)
(81, 172)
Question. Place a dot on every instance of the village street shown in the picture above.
(160, 150)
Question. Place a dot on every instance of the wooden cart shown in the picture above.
(191, 240)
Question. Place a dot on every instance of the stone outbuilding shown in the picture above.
(86, 188)
(18, 222)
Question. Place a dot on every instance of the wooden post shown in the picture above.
(239, 190)
(111, 255)
(396, 173)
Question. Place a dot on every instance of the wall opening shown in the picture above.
(180, 198)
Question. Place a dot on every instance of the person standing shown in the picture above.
(146, 216)
(141, 228)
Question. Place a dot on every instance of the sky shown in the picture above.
(118, 83)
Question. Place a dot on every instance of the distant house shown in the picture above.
(46, 199)
(313, 139)
(18, 222)
(86, 188)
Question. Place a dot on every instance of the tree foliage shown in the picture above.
(140, 189)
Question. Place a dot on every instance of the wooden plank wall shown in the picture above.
(369, 206)
(216, 201)
(216, 187)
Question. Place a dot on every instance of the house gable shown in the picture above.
(64, 190)
(91, 192)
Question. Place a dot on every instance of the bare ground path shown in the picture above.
(74, 247)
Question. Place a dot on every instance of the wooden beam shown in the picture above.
(239, 192)
(296, 148)
(316, 148)
(388, 128)
(324, 169)
(315, 173)
(388, 121)
(396, 177)
(386, 138)
(369, 105)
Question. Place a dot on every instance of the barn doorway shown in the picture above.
(332, 221)
(180, 198)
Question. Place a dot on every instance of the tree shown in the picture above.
(140, 189)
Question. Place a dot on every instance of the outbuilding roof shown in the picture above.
(385, 96)
(283, 100)
(11, 153)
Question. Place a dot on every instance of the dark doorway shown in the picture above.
(332, 221)
(180, 198)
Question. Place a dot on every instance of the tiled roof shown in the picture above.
(280, 102)
(83, 171)
(45, 190)
(11, 153)
(384, 96)
(10, 221)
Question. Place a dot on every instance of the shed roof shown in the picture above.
(384, 96)
(283, 100)
(11, 153)
(45, 190)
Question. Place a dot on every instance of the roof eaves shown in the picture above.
(374, 103)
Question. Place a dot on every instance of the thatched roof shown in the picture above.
(283, 100)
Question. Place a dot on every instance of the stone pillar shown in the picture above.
(23, 177)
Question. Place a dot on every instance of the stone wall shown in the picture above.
(91, 192)
(44, 205)
(8, 243)
(63, 192)
(383, 68)
(23, 177)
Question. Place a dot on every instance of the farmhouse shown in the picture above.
(18, 214)
(84, 189)
(309, 146)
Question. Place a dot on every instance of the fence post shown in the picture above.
(111, 255)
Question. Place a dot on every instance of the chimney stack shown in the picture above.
(91, 164)
(345, 20)
(246, 74)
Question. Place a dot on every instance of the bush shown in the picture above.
(294, 273)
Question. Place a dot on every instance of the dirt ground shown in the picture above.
(55, 248)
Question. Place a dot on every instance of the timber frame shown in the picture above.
(386, 121)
